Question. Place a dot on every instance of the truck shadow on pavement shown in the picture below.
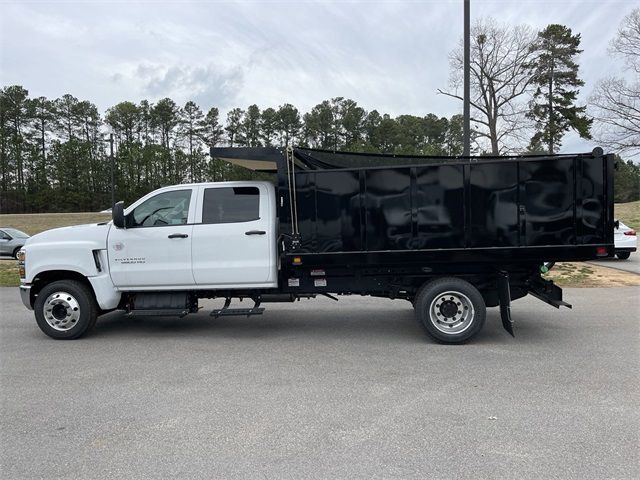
(398, 326)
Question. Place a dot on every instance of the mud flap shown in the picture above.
(504, 295)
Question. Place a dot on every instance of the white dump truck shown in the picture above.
(451, 235)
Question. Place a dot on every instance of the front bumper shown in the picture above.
(25, 296)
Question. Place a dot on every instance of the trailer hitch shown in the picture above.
(547, 291)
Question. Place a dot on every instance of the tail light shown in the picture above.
(631, 233)
(601, 252)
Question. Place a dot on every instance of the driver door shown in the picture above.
(154, 250)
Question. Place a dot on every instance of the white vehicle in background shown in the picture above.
(625, 239)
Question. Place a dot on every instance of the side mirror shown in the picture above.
(616, 224)
(117, 214)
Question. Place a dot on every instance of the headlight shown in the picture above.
(22, 255)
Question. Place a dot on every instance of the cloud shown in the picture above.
(391, 56)
(207, 85)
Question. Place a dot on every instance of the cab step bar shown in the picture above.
(230, 312)
(225, 311)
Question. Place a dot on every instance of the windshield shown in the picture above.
(15, 233)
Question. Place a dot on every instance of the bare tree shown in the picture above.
(627, 42)
(500, 66)
(615, 102)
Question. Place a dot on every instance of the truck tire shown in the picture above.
(623, 255)
(65, 309)
(450, 310)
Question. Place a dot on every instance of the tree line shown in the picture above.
(54, 153)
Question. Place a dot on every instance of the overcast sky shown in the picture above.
(392, 56)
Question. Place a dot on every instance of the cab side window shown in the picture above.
(231, 205)
(167, 208)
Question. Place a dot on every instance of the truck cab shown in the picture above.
(213, 235)
(189, 237)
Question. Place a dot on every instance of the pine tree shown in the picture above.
(251, 126)
(289, 124)
(352, 122)
(555, 75)
(453, 142)
(234, 127)
(164, 116)
(191, 127)
(124, 119)
(388, 133)
(319, 125)
(268, 126)
(14, 115)
(212, 130)
(212, 135)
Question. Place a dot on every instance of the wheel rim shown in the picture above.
(451, 312)
(61, 311)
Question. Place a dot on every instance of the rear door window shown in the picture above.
(231, 205)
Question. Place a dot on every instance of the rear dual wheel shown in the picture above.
(450, 310)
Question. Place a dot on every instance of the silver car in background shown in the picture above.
(11, 241)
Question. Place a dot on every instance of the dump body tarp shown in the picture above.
(270, 159)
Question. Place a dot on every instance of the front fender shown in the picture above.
(75, 256)
(78, 250)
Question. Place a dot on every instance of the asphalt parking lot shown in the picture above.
(632, 264)
(348, 389)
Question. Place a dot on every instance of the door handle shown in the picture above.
(255, 232)
(178, 235)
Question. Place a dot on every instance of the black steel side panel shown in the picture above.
(307, 219)
(337, 209)
(592, 200)
(496, 209)
(388, 209)
(493, 209)
(439, 206)
(548, 201)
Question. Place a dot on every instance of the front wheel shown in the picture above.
(451, 310)
(623, 255)
(65, 309)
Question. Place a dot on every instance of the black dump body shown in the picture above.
(386, 224)
(520, 208)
